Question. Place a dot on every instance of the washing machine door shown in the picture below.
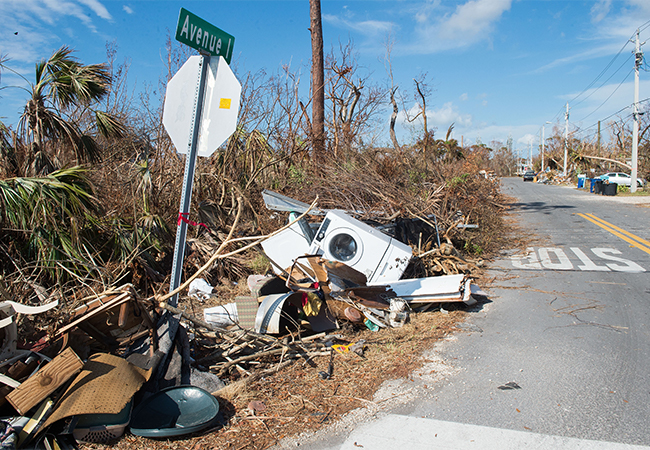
(344, 245)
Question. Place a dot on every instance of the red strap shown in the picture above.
(184, 218)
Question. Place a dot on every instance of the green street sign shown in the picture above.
(203, 36)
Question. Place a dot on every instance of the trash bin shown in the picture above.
(592, 184)
(581, 182)
(610, 189)
(598, 186)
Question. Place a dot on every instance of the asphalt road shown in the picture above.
(568, 323)
(575, 336)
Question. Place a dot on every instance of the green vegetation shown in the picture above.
(455, 181)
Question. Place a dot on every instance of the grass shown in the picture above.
(645, 192)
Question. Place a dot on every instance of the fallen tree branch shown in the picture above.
(627, 166)
(217, 255)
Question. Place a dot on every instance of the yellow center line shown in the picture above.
(627, 233)
(619, 232)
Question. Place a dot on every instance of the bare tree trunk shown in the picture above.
(424, 116)
(393, 118)
(317, 81)
(393, 89)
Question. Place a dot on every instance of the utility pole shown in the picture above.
(530, 154)
(566, 137)
(638, 60)
(541, 141)
(598, 145)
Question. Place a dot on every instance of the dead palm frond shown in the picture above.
(50, 214)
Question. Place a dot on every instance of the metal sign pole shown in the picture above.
(188, 179)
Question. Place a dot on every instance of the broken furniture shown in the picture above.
(115, 320)
(8, 330)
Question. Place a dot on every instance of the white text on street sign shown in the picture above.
(203, 36)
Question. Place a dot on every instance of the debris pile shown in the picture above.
(555, 177)
(118, 360)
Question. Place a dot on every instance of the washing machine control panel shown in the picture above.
(320, 235)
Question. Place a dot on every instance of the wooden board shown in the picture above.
(50, 377)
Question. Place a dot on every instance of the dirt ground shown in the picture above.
(258, 414)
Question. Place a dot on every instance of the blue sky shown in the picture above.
(497, 68)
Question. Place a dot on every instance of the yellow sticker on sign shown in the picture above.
(224, 103)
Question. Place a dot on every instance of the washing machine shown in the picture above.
(343, 238)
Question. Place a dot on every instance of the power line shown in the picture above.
(643, 26)
(612, 115)
(605, 82)
(601, 73)
(610, 95)
(589, 136)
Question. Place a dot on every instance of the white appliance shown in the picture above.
(378, 256)
(286, 246)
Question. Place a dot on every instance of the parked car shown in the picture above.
(622, 179)
(529, 175)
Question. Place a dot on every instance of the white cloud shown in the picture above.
(474, 18)
(528, 139)
(127, 9)
(435, 26)
(56, 9)
(441, 117)
(368, 28)
(38, 23)
(423, 11)
(469, 23)
(97, 8)
(483, 98)
(490, 132)
(604, 103)
(463, 97)
(448, 114)
(624, 22)
(467, 130)
(612, 29)
(600, 10)
(595, 52)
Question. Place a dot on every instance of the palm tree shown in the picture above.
(449, 148)
(48, 217)
(47, 211)
(61, 103)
